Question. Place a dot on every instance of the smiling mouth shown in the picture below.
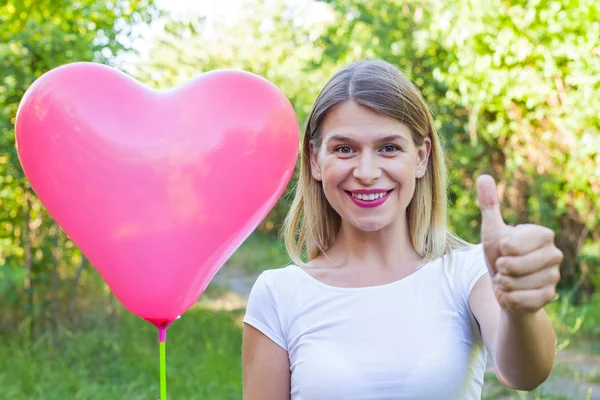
(369, 196)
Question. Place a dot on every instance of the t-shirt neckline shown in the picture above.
(382, 286)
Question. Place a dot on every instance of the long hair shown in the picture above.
(311, 224)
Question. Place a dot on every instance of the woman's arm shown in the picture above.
(524, 263)
(522, 345)
(265, 367)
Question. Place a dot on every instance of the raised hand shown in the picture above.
(523, 260)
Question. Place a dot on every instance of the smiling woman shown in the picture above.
(362, 156)
(389, 304)
(370, 104)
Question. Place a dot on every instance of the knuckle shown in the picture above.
(501, 265)
(548, 294)
(510, 267)
(558, 255)
(511, 301)
(505, 245)
(500, 294)
(502, 281)
(555, 275)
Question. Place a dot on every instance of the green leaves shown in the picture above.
(36, 37)
(514, 87)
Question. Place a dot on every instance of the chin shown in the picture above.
(369, 225)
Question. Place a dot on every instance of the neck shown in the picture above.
(389, 247)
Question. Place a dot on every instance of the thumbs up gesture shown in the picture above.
(523, 260)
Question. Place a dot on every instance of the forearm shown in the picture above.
(525, 349)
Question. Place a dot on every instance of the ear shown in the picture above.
(423, 153)
(314, 164)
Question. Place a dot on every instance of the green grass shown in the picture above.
(576, 327)
(99, 362)
(595, 379)
(117, 358)
(592, 376)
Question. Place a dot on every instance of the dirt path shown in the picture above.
(576, 374)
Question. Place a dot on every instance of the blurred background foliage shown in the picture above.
(514, 86)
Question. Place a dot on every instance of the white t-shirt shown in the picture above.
(415, 338)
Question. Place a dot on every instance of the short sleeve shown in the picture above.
(474, 268)
(261, 312)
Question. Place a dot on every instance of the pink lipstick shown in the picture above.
(369, 198)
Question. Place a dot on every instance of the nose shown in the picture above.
(366, 170)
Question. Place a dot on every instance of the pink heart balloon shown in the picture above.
(157, 188)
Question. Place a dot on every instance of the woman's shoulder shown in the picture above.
(464, 261)
(466, 251)
(281, 272)
(277, 278)
(465, 266)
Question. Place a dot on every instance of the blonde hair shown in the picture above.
(311, 224)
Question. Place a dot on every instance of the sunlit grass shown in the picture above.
(116, 357)
(119, 360)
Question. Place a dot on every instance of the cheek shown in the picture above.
(404, 171)
(331, 185)
(333, 172)
(333, 177)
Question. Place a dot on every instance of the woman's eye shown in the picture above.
(344, 149)
(390, 148)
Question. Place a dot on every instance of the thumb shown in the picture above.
(489, 205)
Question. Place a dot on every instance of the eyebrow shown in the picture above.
(389, 138)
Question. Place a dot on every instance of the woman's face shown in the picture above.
(368, 165)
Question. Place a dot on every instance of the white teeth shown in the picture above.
(368, 197)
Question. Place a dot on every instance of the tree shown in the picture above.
(273, 39)
(35, 256)
(513, 86)
(528, 73)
